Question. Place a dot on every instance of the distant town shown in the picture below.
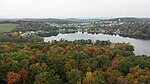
(138, 28)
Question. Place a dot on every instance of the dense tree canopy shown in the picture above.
(72, 62)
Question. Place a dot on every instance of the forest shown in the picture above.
(72, 62)
(26, 59)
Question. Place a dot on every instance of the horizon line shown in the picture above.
(71, 17)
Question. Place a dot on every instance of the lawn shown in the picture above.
(7, 27)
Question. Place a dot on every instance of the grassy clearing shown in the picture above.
(7, 27)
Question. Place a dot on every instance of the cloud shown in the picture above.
(74, 8)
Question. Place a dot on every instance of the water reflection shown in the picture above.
(142, 47)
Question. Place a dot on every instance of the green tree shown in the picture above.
(98, 78)
(103, 61)
(36, 69)
(48, 78)
(125, 65)
(73, 76)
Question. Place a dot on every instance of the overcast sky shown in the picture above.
(73, 8)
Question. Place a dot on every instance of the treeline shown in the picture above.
(133, 30)
(17, 38)
(89, 41)
(34, 26)
(10, 22)
(43, 29)
(48, 34)
(72, 62)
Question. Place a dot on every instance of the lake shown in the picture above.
(142, 47)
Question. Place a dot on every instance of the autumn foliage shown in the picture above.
(12, 77)
(23, 73)
(72, 62)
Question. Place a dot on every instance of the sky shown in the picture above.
(74, 8)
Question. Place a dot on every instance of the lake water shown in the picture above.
(142, 47)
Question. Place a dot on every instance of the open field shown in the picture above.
(7, 27)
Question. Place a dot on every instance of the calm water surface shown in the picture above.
(142, 47)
